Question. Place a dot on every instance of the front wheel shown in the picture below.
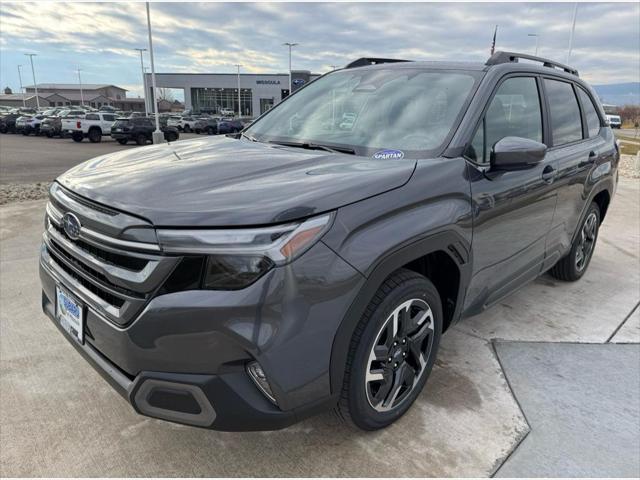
(572, 266)
(122, 141)
(141, 139)
(187, 129)
(77, 137)
(392, 351)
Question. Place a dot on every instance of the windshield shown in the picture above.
(400, 109)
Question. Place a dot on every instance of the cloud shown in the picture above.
(212, 37)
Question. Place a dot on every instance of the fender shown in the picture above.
(449, 242)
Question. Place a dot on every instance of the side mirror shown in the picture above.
(517, 152)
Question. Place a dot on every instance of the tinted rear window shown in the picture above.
(121, 122)
(593, 120)
(566, 123)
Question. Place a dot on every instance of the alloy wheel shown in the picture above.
(586, 241)
(399, 355)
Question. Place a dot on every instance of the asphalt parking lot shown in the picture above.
(549, 377)
(40, 159)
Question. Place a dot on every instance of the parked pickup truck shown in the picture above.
(93, 126)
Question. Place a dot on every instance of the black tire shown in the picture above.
(77, 137)
(355, 405)
(49, 135)
(171, 137)
(122, 141)
(210, 131)
(95, 135)
(141, 139)
(25, 132)
(572, 266)
(3, 129)
(186, 129)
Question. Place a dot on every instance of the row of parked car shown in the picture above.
(79, 123)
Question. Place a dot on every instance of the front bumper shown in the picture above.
(183, 357)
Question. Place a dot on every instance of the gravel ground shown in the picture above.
(19, 192)
(628, 167)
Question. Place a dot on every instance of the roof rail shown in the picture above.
(362, 62)
(511, 57)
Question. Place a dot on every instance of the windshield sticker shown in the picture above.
(389, 155)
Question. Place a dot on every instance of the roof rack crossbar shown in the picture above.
(362, 62)
(512, 57)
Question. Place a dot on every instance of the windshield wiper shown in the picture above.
(248, 137)
(316, 146)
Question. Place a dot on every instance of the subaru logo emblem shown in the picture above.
(71, 225)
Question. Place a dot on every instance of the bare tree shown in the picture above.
(165, 94)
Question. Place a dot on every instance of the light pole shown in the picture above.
(573, 29)
(80, 82)
(33, 72)
(157, 135)
(290, 45)
(537, 37)
(21, 89)
(144, 83)
(239, 108)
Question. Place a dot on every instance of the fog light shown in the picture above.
(260, 379)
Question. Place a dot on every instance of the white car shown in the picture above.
(614, 121)
(28, 124)
(94, 125)
(174, 121)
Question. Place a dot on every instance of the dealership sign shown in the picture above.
(268, 82)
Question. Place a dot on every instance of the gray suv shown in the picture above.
(314, 260)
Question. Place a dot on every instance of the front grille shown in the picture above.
(104, 295)
(130, 263)
(116, 282)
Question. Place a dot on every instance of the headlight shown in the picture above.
(226, 272)
(235, 258)
(280, 243)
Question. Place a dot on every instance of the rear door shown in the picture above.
(577, 146)
(513, 209)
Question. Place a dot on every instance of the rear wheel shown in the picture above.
(210, 131)
(49, 135)
(141, 139)
(575, 263)
(187, 129)
(95, 135)
(122, 141)
(392, 351)
(77, 137)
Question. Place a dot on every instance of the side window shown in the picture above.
(108, 117)
(514, 112)
(91, 116)
(566, 123)
(590, 112)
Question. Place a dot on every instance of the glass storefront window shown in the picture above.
(213, 100)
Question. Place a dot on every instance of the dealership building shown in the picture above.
(211, 92)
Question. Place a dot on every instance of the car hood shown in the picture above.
(228, 182)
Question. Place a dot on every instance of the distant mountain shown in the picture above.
(619, 93)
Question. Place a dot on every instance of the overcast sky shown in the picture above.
(211, 37)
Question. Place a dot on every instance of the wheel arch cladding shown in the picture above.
(443, 257)
(602, 199)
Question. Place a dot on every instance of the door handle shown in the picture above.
(548, 174)
(592, 154)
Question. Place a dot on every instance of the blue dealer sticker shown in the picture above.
(389, 154)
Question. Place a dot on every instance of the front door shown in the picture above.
(512, 209)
